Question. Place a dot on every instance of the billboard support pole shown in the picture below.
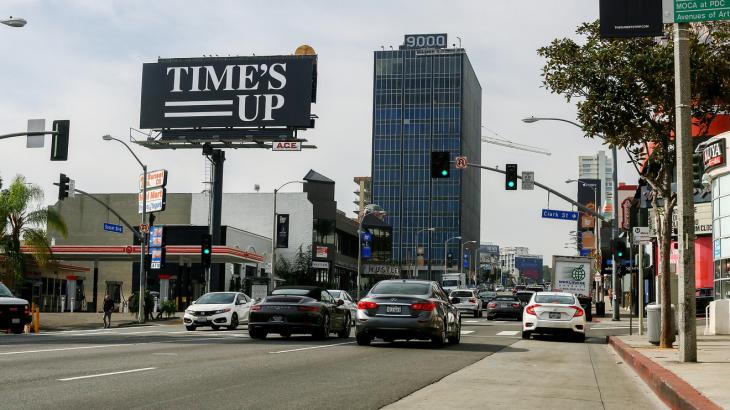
(218, 157)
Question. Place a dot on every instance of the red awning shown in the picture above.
(130, 253)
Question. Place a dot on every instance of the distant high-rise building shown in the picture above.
(598, 167)
(426, 97)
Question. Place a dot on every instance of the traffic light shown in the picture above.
(63, 186)
(206, 250)
(697, 170)
(510, 177)
(59, 140)
(620, 251)
(440, 164)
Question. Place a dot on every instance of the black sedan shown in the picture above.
(486, 296)
(504, 306)
(407, 309)
(299, 310)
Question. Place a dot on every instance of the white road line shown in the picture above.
(311, 347)
(611, 328)
(62, 349)
(106, 374)
(471, 321)
(508, 333)
(466, 332)
(138, 333)
(498, 337)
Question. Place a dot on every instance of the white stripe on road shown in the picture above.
(311, 347)
(139, 333)
(466, 332)
(62, 349)
(612, 328)
(499, 337)
(508, 333)
(106, 374)
(471, 321)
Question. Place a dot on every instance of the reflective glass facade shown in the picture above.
(423, 101)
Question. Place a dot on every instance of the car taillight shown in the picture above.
(516, 305)
(426, 306)
(255, 308)
(27, 310)
(578, 311)
(363, 305)
(307, 308)
(472, 300)
(530, 310)
(492, 305)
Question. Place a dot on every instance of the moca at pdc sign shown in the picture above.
(229, 92)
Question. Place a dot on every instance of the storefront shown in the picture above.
(714, 158)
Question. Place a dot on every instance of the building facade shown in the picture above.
(507, 256)
(426, 99)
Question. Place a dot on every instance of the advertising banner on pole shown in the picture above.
(282, 230)
(586, 222)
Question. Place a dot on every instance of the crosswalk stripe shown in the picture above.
(508, 333)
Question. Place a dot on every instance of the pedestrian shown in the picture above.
(108, 307)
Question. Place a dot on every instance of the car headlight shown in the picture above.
(190, 312)
(222, 311)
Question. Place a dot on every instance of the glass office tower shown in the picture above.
(426, 99)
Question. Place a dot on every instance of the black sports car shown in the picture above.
(299, 309)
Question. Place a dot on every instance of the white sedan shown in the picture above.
(554, 312)
(217, 309)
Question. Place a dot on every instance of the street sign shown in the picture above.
(691, 11)
(557, 214)
(144, 228)
(286, 146)
(155, 236)
(528, 180)
(36, 141)
(641, 234)
(154, 179)
(71, 188)
(156, 258)
(460, 162)
(156, 200)
(113, 228)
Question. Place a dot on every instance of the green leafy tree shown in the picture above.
(624, 92)
(23, 222)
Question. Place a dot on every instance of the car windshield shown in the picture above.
(506, 298)
(5, 292)
(487, 294)
(400, 288)
(560, 299)
(291, 292)
(461, 294)
(335, 293)
(452, 282)
(216, 298)
(524, 296)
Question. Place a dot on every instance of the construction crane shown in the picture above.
(509, 144)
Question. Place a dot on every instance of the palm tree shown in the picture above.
(23, 222)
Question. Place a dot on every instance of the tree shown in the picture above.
(23, 222)
(624, 92)
(299, 270)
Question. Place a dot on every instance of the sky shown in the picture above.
(81, 60)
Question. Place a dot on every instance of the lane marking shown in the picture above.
(471, 321)
(611, 328)
(492, 337)
(466, 332)
(138, 333)
(508, 333)
(311, 347)
(63, 349)
(106, 374)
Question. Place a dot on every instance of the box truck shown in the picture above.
(574, 274)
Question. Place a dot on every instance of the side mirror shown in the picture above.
(193, 302)
(340, 302)
(455, 300)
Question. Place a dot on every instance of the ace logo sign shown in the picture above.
(286, 146)
(228, 92)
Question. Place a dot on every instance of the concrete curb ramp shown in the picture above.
(670, 388)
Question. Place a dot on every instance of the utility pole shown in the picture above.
(685, 198)
(614, 235)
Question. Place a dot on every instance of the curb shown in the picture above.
(670, 388)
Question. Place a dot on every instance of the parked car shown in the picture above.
(486, 296)
(14, 312)
(554, 313)
(218, 309)
(504, 306)
(407, 309)
(345, 297)
(467, 302)
(292, 310)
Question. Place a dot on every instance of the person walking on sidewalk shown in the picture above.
(108, 307)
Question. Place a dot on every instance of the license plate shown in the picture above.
(504, 305)
(392, 309)
(554, 315)
(201, 319)
(276, 319)
(15, 320)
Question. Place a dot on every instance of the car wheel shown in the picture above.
(17, 330)
(234, 322)
(490, 317)
(190, 328)
(363, 340)
(285, 335)
(580, 337)
(215, 327)
(455, 339)
(440, 338)
(526, 335)
(345, 332)
(476, 313)
(324, 331)
(257, 334)
(481, 313)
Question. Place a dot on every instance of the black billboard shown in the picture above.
(631, 18)
(589, 195)
(228, 92)
(282, 230)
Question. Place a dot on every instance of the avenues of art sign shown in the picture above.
(228, 92)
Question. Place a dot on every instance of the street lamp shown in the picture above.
(446, 249)
(614, 224)
(415, 260)
(273, 237)
(463, 245)
(142, 273)
(16, 22)
(371, 208)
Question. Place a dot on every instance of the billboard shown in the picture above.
(589, 193)
(228, 92)
(489, 254)
(529, 266)
(631, 18)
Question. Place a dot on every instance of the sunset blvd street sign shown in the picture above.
(689, 11)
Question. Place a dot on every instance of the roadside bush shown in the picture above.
(169, 307)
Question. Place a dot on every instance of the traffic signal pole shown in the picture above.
(614, 236)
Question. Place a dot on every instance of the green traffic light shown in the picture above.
(511, 184)
(206, 251)
(444, 172)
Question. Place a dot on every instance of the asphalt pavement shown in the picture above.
(166, 366)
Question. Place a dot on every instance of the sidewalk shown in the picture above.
(82, 320)
(701, 385)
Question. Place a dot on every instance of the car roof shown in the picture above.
(554, 294)
(407, 281)
(300, 287)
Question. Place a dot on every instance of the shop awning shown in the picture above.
(130, 253)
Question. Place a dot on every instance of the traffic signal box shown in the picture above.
(440, 164)
(59, 141)
(620, 250)
(63, 182)
(510, 177)
(697, 170)
(206, 250)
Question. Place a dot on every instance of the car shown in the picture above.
(467, 301)
(554, 313)
(14, 312)
(499, 288)
(407, 309)
(292, 310)
(504, 306)
(350, 303)
(535, 288)
(218, 309)
(524, 296)
(486, 296)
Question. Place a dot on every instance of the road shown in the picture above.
(168, 367)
